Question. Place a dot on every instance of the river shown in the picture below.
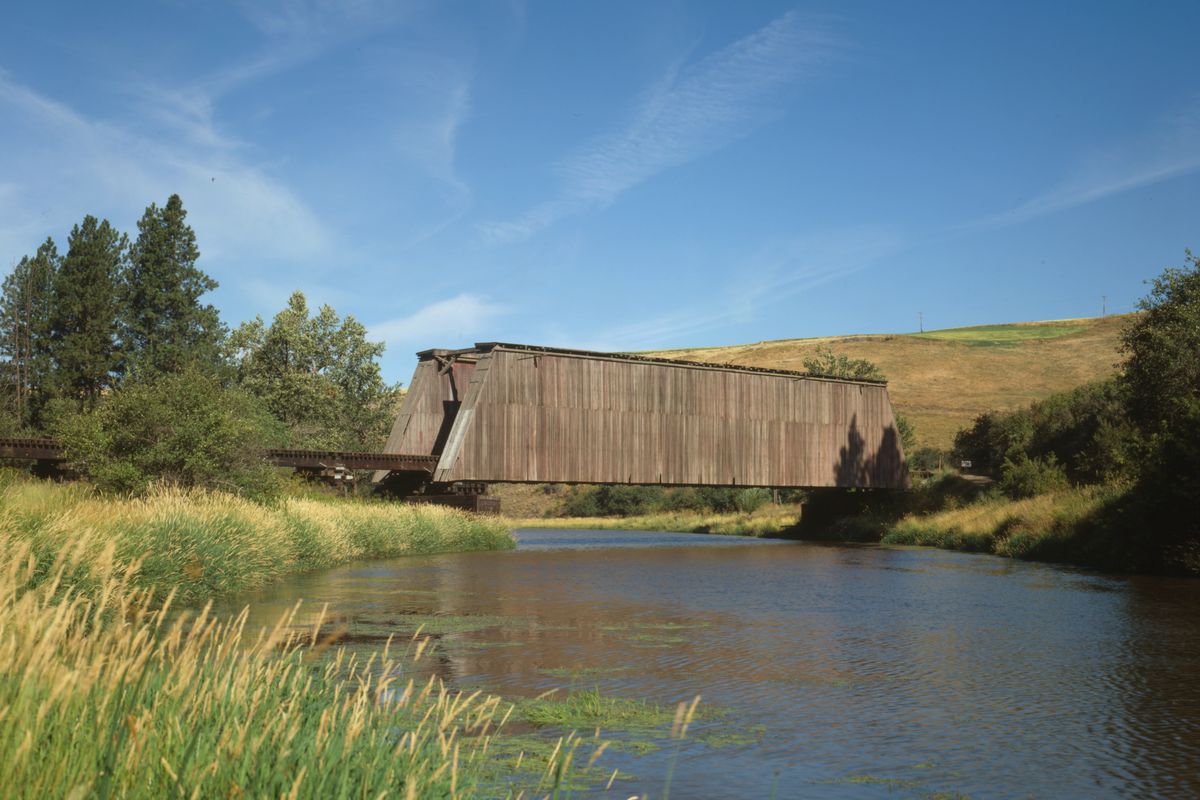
(832, 671)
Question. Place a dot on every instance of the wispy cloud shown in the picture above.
(294, 33)
(298, 19)
(780, 271)
(65, 164)
(693, 110)
(451, 321)
(168, 136)
(437, 103)
(1170, 151)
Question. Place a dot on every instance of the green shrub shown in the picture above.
(1162, 376)
(716, 499)
(1086, 429)
(183, 429)
(719, 499)
(628, 501)
(928, 458)
(1027, 477)
(613, 501)
(686, 499)
(750, 500)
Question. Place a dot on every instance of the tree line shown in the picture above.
(111, 348)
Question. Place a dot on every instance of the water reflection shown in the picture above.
(859, 671)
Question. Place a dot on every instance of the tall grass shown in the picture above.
(203, 544)
(107, 694)
(769, 520)
(1068, 525)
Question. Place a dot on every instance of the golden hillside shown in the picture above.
(942, 379)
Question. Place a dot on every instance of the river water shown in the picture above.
(838, 671)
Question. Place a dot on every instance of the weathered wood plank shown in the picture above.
(568, 416)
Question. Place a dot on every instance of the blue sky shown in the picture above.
(621, 175)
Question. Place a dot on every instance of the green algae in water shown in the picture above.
(443, 623)
(619, 627)
(518, 759)
(918, 788)
(655, 638)
(730, 736)
(580, 672)
(590, 709)
(875, 780)
(469, 644)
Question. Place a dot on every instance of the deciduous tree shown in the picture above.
(318, 374)
(829, 364)
(1162, 375)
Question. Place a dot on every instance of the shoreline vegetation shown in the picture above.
(111, 691)
(1075, 525)
(203, 544)
(106, 695)
(771, 520)
(1084, 526)
(119, 681)
(1048, 527)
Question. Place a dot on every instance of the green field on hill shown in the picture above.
(942, 379)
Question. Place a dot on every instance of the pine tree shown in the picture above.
(83, 323)
(164, 324)
(25, 311)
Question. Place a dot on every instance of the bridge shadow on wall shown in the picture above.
(862, 466)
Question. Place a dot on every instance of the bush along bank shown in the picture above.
(204, 544)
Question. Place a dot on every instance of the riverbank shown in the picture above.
(1075, 526)
(770, 520)
(207, 544)
(1080, 526)
(110, 688)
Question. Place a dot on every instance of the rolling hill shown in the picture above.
(942, 379)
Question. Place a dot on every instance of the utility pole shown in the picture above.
(1104, 305)
(921, 320)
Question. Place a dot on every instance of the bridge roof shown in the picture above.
(486, 347)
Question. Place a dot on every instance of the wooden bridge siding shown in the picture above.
(546, 417)
(422, 411)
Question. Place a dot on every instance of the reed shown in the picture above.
(770, 520)
(1068, 525)
(109, 694)
(205, 544)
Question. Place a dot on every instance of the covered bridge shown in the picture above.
(518, 413)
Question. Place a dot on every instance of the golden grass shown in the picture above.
(766, 521)
(107, 694)
(202, 544)
(1051, 526)
(942, 379)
